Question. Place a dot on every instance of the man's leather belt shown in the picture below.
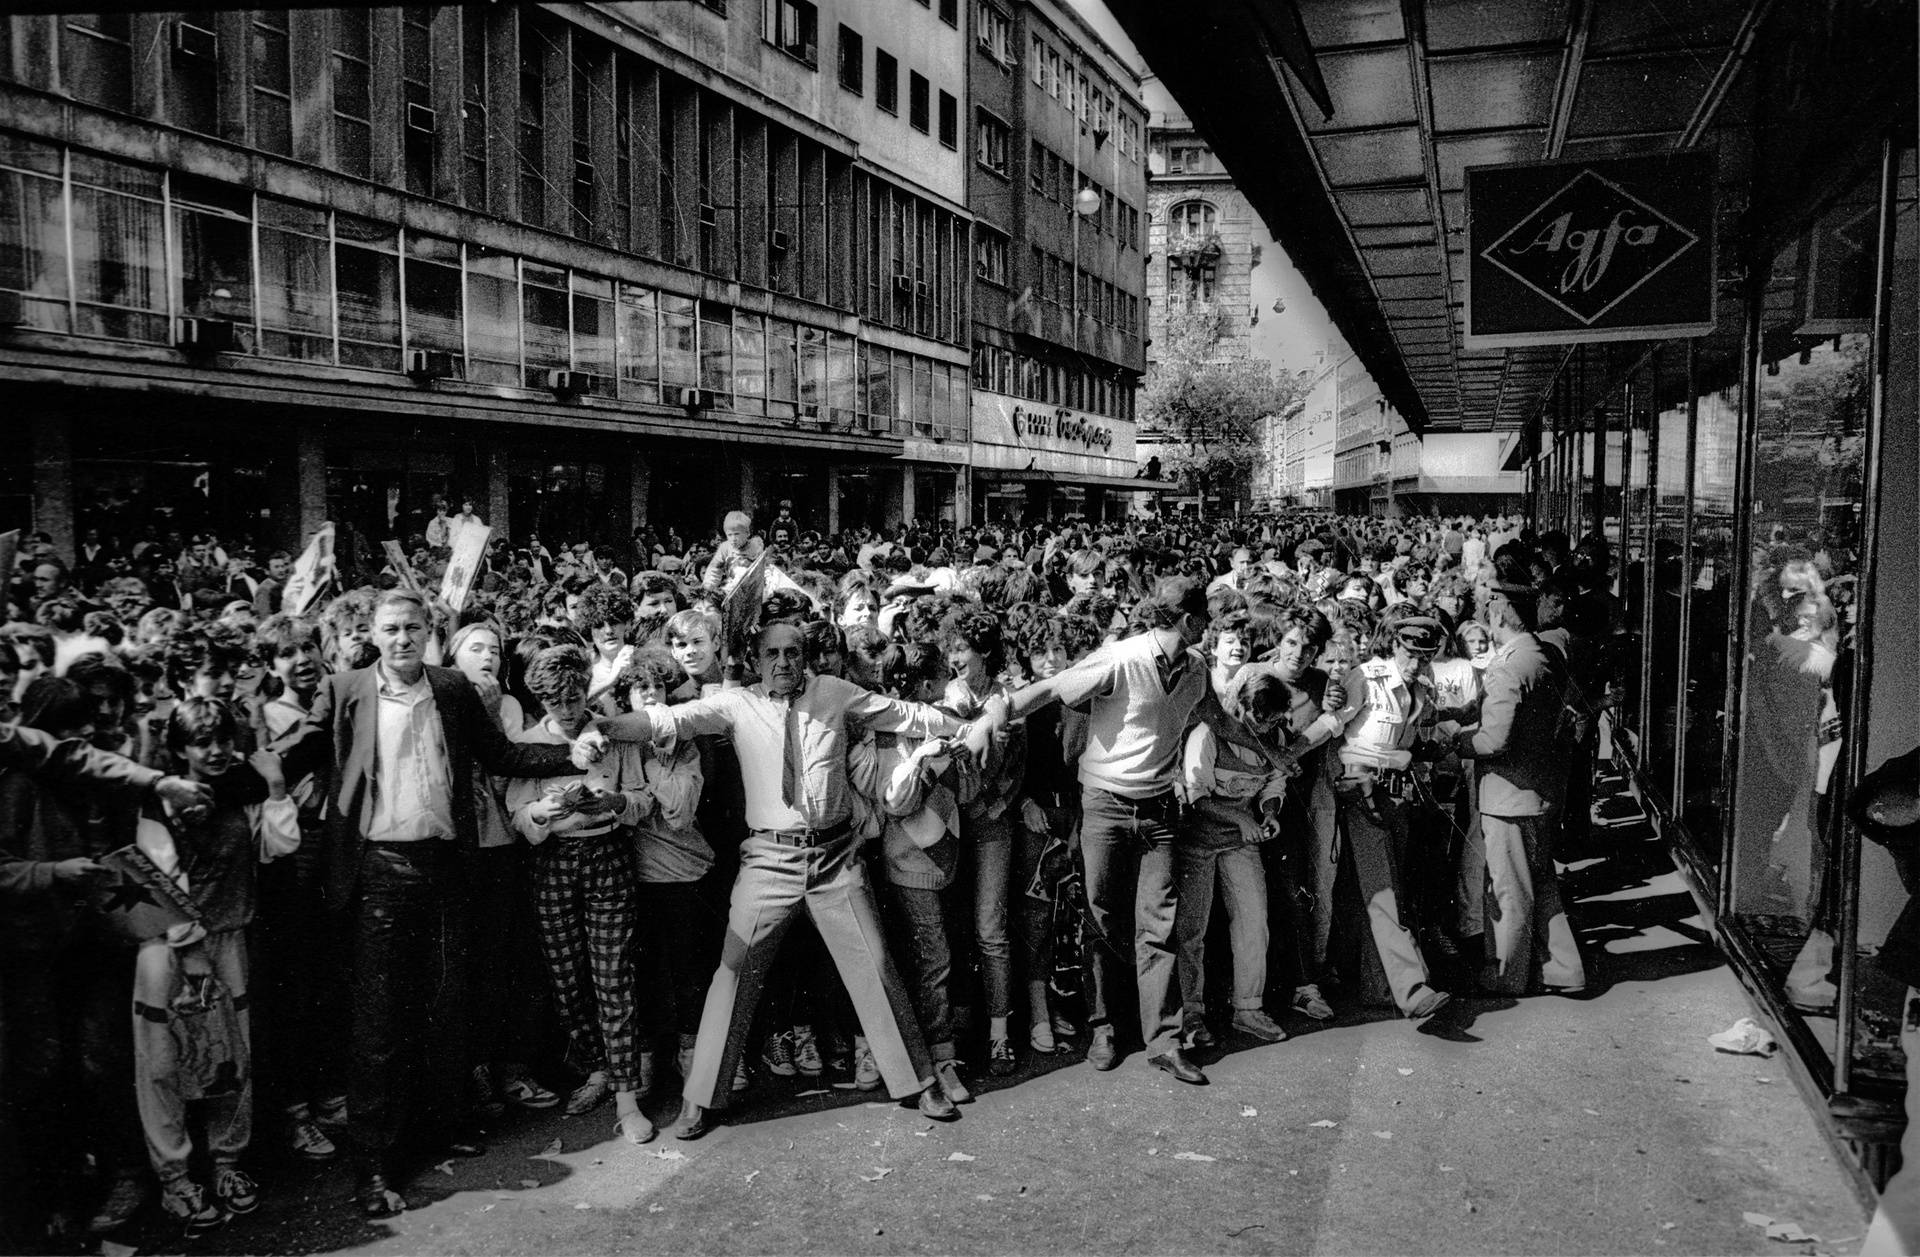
(805, 837)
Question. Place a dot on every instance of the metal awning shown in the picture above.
(1368, 200)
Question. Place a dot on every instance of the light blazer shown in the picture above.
(340, 739)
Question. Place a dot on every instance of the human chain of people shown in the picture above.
(604, 829)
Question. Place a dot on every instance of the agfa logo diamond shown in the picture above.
(1589, 246)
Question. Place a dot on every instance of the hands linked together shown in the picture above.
(589, 749)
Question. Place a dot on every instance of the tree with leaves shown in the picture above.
(1207, 404)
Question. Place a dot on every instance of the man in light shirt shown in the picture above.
(394, 739)
(791, 730)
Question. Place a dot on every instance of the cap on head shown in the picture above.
(1420, 633)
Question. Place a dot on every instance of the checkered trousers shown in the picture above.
(585, 903)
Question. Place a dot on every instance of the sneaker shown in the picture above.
(481, 1094)
(740, 1076)
(806, 1052)
(185, 1201)
(524, 1093)
(777, 1055)
(590, 1094)
(237, 1192)
(1254, 1021)
(124, 1199)
(947, 1074)
(1000, 1058)
(332, 1111)
(306, 1139)
(1194, 1030)
(1308, 1001)
(866, 1071)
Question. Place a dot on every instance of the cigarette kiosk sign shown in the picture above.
(1612, 249)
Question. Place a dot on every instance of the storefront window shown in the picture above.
(296, 282)
(543, 292)
(639, 344)
(783, 369)
(593, 331)
(493, 316)
(1668, 553)
(1804, 533)
(813, 372)
(679, 342)
(749, 363)
(433, 297)
(716, 355)
(119, 250)
(366, 269)
(33, 225)
(1892, 718)
(1710, 575)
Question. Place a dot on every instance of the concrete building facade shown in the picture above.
(586, 265)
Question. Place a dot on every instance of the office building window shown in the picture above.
(532, 130)
(192, 81)
(995, 32)
(434, 317)
(1036, 166)
(1037, 62)
(119, 250)
(991, 136)
(353, 92)
(473, 105)
(213, 231)
(792, 26)
(853, 61)
(919, 103)
(416, 84)
(271, 75)
(989, 255)
(950, 13)
(96, 58)
(886, 81)
(296, 282)
(366, 277)
(950, 120)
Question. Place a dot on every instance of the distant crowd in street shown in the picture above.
(889, 809)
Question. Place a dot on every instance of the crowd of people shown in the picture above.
(893, 810)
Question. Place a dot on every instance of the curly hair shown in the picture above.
(977, 629)
(602, 606)
(650, 665)
(556, 671)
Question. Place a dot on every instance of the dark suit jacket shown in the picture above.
(1521, 763)
(340, 739)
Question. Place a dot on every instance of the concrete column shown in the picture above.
(53, 504)
(309, 490)
(892, 486)
(499, 503)
(639, 491)
(749, 494)
(833, 498)
(963, 498)
(909, 489)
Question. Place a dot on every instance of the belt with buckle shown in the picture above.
(806, 837)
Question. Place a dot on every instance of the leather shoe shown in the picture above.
(1175, 1062)
(376, 1198)
(692, 1123)
(934, 1104)
(1100, 1052)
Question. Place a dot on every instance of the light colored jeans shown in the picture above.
(830, 884)
(1241, 877)
(1532, 940)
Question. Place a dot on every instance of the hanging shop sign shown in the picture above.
(1608, 249)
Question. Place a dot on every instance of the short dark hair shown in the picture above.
(198, 721)
(977, 629)
(602, 605)
(557, 669)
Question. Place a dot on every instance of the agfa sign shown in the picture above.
(1614, 249)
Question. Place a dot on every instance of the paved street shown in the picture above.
(1551, 1126)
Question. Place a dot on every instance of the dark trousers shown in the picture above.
(299, 989)
(512, 1015)
(671, 961)
(1127, 850)
(406, 1047)
(69, 1070)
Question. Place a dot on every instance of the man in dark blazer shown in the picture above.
(1521, 761)
(398, 742)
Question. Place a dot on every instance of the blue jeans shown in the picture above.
(1127, 850)
(917, 932)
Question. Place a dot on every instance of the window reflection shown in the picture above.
(1808, 496)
